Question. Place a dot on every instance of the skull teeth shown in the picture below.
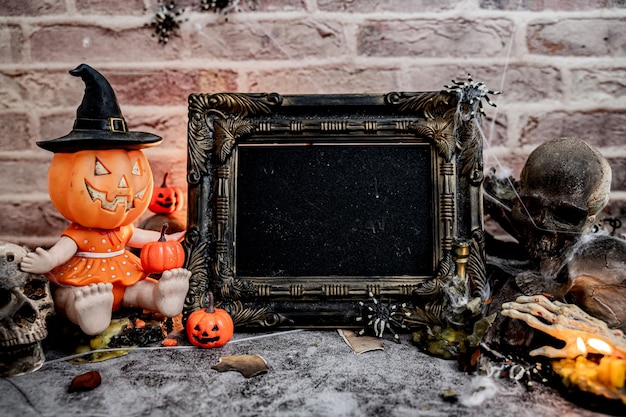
(21, 337)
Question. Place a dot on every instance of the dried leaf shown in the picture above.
(85, 382)
(246, 365)
(360, 344)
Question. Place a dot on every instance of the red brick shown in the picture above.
(151, 87)
(166, 86)
(327, 80)
(57, 88)
(31, 218)
(372, 6)
(504, 161)
(111, 7)
(91, 44)
(522, 83)
(32, 7)
(171, 126)
(216, 81)
(274, 5)
(268, 40)
(618, 166)
(11, 44)
(23, 177)
(242, 6)
(539, 5)
(15, 132)
(578, 37)
(174, 163)
(600, 128)
(10, 93)
(459, 38)
(41, 89)
(598, 84)
(55, 125)
(494, 134)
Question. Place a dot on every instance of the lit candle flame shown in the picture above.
(600, 345)
(580, 344)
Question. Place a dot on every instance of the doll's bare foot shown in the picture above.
(92, 307)
(171, 291)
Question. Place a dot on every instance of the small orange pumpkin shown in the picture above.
(209, 327)
(166, 199)
(162, 255)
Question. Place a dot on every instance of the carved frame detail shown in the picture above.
(219, 122)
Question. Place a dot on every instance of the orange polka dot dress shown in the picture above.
(101, 257)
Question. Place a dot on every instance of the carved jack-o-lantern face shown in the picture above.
(102, 189)
(166, 199)
(209, 327)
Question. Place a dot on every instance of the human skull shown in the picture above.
(25, 303)
(563, 185)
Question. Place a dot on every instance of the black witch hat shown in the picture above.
(99, 122)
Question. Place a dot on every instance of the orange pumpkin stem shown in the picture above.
(164, 185)
(163, 229)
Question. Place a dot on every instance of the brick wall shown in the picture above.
(561, 65)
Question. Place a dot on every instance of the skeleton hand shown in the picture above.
(38, 262)
(566, 322)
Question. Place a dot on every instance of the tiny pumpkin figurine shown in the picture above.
(209, 327)
(166, 199)
(101, 181)
(162, 255)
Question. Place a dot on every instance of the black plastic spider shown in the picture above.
(472, 93)
(380, 317)
(216, 5)
(165, 21)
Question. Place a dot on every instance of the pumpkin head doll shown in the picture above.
(100, 180)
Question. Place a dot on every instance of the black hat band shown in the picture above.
(112, 124)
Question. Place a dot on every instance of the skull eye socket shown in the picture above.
(569, 215)
(533, 206)
(10, 257)
(5, 298)
(35, 289)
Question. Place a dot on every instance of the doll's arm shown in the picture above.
(42, 261)
(141, 237)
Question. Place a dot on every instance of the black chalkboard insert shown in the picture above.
(333, 210)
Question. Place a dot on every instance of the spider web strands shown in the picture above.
(151, 348)
(492, 127)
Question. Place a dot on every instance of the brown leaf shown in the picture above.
(247, 365)
(85, 382)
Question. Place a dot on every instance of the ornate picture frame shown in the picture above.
(424, 147)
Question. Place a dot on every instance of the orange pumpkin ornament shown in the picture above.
(103, 188)
(209, 327)
(162, 255)
(166, 199)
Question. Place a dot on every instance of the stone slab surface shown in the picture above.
(311, 373)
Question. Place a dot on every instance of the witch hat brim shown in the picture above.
(99, 122)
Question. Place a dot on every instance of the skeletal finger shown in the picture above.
(548, 351)
(531, 320)
(537, 310)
